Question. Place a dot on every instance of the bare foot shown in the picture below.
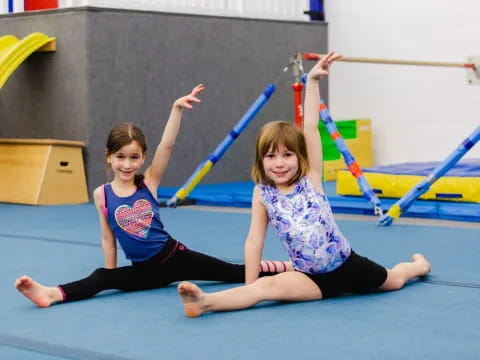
(193, 298)
(421, 259)
(40, 295)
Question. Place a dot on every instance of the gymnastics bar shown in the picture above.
(422, 187)
(212, 159)
(314, 56)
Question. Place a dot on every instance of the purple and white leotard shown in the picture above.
(304, 222)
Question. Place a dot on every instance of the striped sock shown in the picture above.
(269, 266)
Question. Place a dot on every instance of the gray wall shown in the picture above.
(46, 97)
(114, 65)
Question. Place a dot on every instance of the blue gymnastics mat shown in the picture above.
(239, 194)
(435, 318)
(464, 168)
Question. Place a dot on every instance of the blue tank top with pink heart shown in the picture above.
(135, 222)
(304, 222)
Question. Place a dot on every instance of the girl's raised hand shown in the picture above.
(321, 67)
(185, 101)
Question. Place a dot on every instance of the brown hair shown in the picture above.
(270, 137)
(123, 134)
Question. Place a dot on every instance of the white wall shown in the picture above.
(263, 9)
(418, 113)
(18, 6)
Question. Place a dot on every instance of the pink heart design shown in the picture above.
(135, 220)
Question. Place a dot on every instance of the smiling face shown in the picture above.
(280, 155)
(280, 165)
(127, 161)
(125, 151)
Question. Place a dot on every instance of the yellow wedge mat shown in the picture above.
(13, 51)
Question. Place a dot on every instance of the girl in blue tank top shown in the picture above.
(289, 195)
(129, 212)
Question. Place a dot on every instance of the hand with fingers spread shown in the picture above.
(161, 157)
(185, 101)
(321, 67)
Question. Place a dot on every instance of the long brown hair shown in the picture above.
(270, 137)
(121, 135)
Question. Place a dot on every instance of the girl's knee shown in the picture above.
(99, 273)
(394, 281)
(265, 282)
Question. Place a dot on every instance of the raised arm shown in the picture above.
(255, 238)
(311, 115)
(155, 171)
(109, 245)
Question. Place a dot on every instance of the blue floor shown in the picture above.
(438, 318)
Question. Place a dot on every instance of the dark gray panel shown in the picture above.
(114, 65)
(46, 96)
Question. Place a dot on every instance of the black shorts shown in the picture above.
(356, 275)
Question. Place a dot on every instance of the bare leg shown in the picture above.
(287, 286)
(42, 296)
(401, 273)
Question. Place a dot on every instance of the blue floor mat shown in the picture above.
(426, 320)
(239, 194)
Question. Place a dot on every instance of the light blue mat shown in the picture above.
(54, 244)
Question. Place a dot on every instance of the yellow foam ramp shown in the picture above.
(13, 51)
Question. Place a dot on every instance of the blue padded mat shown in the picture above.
(465, 168)
(239, 194)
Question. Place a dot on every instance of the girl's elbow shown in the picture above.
(251, 247)
(167, 146)
(108, 245)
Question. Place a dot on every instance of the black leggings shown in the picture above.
(174, 263)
